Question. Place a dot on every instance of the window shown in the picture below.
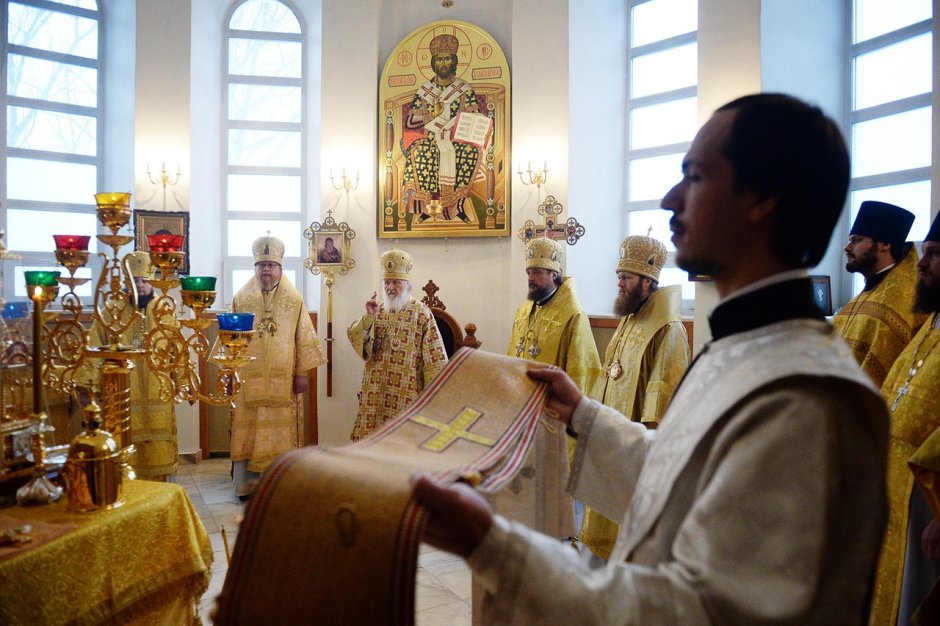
(53, 136)
(892, 80)
(265, 134)
(663, 116)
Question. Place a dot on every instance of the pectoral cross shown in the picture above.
(902, 391)
(456, 429)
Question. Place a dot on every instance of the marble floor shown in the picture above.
(442, 597)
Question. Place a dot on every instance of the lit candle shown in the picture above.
(37, 344)
(197, 283)
(71, 242)
(236, 321)
(41, 278)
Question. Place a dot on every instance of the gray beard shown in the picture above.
(395, 304)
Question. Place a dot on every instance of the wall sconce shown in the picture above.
(163, 179)
(346, 183)
(534, 177)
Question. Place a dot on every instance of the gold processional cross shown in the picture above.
(569, 230)
(456, 429)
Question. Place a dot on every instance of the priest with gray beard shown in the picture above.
(400, 344)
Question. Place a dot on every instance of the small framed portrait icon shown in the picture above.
(329, 250)
(822, 293)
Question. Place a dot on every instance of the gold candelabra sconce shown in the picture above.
(164, 179)
(64, 353)
(344, 182)
(534, 176)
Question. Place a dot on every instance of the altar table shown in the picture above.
(146, 562)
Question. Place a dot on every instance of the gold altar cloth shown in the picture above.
(146, 562)
(331, 535)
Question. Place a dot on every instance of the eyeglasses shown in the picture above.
(267, 266)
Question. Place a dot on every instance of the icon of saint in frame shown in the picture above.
(444, 120)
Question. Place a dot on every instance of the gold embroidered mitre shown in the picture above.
(543, 253)
(268, 249)
(444, 44)
(642, 255)
(396, 265)
(140, 265)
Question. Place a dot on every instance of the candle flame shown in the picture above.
(37, 292)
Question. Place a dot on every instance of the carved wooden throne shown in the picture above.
(449, 328)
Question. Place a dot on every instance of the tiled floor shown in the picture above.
(443, 591)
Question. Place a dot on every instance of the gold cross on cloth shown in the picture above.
(449, 433)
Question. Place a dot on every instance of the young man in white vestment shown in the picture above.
(761, 498)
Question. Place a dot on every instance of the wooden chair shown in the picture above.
(449, 328)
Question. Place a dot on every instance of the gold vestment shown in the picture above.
(561, 332)
(915, 418)
(403, 352)
(265, 421)
(877, 324)
(153, 421)
(651, 350)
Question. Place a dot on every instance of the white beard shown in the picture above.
(397, 303)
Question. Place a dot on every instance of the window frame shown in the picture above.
(42, 258)
(854, 283)
(231, 262)
(632, 103)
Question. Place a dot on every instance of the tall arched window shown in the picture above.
(663, 116)
(263, 144)
(51, 130)
(892, 78)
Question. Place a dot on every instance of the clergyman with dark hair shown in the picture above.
(879, 322)
(761, 497)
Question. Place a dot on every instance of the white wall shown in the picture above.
(803, 54)
(597, 146)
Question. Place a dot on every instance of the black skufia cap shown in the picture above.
(934, 233)
(883, 222)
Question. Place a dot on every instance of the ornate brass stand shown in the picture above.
(164, 350)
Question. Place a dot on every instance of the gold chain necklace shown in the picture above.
(530, 336)
(854, 313)
(614, 368)
(916, 363)
(267, 324)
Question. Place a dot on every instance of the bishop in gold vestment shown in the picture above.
(551, 328)
(645, 359)
(912, 391)
(879, 322)
(400, 344)
(265, 422)
(153, 421)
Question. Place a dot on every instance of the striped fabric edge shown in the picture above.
(245, 550)
(410, 530)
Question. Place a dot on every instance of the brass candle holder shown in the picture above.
(164, 350)
(233, 343)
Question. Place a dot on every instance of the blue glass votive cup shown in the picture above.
(15, 310)
(236, 321)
